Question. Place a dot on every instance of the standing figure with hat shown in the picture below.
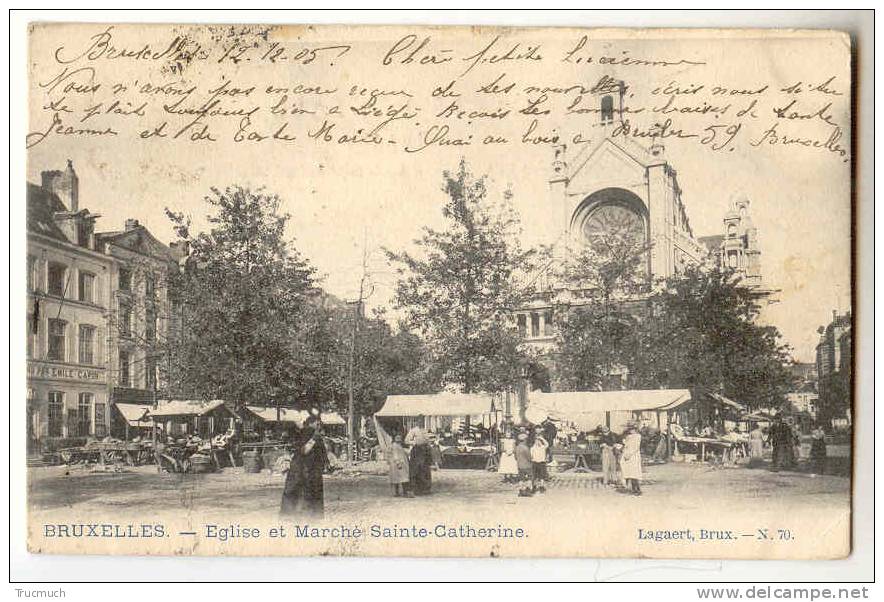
(631, 459)
(303, 491)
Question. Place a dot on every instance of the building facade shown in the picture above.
(737, 248)
(834, 365)
(141, 308)
(611, 196)
(69, 292)
(97, 315)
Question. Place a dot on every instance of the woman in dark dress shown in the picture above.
(303, 492)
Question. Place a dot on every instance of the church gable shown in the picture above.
(608, 165)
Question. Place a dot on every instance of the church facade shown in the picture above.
(615, 195)
(612, 194)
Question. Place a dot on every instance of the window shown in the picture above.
(86, 287)
(100, 420)
(84, 415)
(56, 349)
(32, 337)
(607, 109)
(32, 273)
(535, 324)
(125, 320)
(150, 373)
(150, 325)
(87, 344)
(57, 275)
(124, 369)
(731, 230)
(547, 324)
(84, 233)
(125, 279)
(523, 329)
(150, 286)
(55, 414)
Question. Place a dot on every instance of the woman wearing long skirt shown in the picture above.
(610, 470)
(756, 446)
(818, 451)
(303, 490)
(420, 460)
(631, 460)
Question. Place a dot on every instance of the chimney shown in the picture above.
(131, 224)
(65, 185)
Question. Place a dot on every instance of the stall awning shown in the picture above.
(590, 402)
(730, 403)
(134, 414)
(437, 404)
(289, 415)
(185, 407)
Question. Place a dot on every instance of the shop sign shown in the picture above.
(60, 372)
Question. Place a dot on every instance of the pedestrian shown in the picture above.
(398, 462)
(303, 490)
(631, 459)
(818, 450)
(523, 461)
(420, 459)
(781, 442)
(550, 432)
(539, 450)
(607, 440)
(756, 446)
(508, 466)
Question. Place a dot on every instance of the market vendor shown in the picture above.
(420, 460)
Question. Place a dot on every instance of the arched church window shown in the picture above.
(731, 230)
(607, 109)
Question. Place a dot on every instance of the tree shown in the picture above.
(703, 332)
(460, 292)
(249, 327)
(598, 339)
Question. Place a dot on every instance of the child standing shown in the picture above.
(523, 461)
(398, 461)
(508, 466)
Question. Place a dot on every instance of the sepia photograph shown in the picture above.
(438, 291)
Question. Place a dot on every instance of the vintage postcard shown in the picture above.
(438, 291)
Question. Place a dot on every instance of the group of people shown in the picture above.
(622, 458)
(783, 441)
(524, 455)
(411, 468)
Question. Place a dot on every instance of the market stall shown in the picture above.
(580, 414)
(132, 420)
(193, 435)
(268, 431)
(462, 425)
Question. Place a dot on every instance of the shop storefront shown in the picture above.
(65, 402)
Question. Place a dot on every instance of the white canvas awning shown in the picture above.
(590, 409)
(185, 407)
(134, 414)
(292, 416)
(728, 402)
(437, 404)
